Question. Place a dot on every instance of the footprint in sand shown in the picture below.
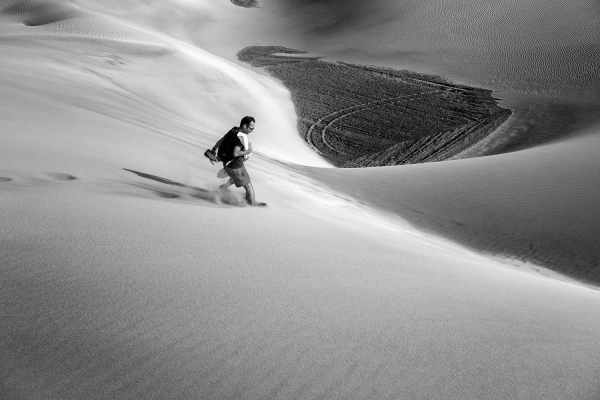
(59, 176)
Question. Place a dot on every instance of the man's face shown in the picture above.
(248, 128)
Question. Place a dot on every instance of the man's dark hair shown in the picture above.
(246, 121)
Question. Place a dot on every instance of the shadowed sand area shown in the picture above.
(547, 224)
(122, 277)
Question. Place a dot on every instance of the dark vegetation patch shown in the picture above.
(245, 3)
(364, 116)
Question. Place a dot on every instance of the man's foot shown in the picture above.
(256, 204)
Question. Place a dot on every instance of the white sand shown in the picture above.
(115, 286)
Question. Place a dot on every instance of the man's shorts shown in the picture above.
(239, 175)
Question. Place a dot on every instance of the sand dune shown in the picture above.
(147, 284)
(61, 19)
(31, 13)
(507, 39)
(533, 206)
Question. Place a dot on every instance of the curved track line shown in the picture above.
(397, 100)
(339, 114)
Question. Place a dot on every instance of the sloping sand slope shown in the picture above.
(538, 205)
(119, 285)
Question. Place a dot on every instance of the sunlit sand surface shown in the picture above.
(126, 274)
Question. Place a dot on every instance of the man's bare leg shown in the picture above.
(226, 185)
(250, 194)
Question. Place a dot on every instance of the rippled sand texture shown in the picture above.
(126, 274)
(540, 45)
(63, 19)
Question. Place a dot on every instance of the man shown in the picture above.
(233, 148)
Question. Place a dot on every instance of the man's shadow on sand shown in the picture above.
(213, 196)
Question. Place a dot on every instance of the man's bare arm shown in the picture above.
(238, 152)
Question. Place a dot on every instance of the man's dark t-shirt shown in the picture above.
(238, 162)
